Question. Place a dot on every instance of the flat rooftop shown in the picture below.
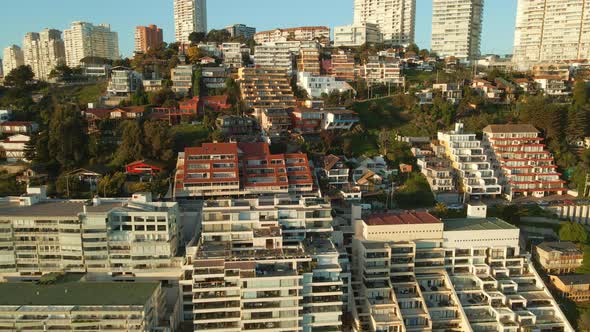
(465, 224)
(406, 218)
(77, 293)
(54, 208)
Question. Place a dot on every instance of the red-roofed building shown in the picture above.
(144, 167)
(196, 105)
(217, 169)
(307, 120)
(18, 127)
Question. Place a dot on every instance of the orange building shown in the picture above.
(147, 37)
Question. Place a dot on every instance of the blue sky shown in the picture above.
(19, 17)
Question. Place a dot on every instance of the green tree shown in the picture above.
(19, 77)
(580, 93)
(159, 98)
(196, 37)
(197, 82)
(111, 185)
(577, 127)
(61, 72)
(572, 231)
(131, 147)
(67, 140)
(69, 186)
(159, 143)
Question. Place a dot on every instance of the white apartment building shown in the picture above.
(13, 58)
(232, 55)
(318, 85)
(469, 158)
(396, 19)
(413, 272)
(14, 147)
(456, 28)
(379, 71)
(123, 81)
(357, 34)
(551, 31)
(84, 39)
(107, 238)
(43, 52)
(189, 16)
(277, 54)
(302, 34)
(182, 79)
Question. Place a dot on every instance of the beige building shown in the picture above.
(266, 87)
(189, 16)
(558, 257)
(182, 79)
(551, 31)
(456, 28)
(395, 19)
(574, 287)
(357, 34)
(107, 238)
(79, 305)
(309, 61)
(312, 33)
(84, 39)
(43, 52)
(13, 58)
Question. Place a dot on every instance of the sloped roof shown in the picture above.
(330, 161)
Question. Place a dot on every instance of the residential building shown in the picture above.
(18, 127)
(277, 55)
(144, 166)
(96, 71)
(552, 85)
(276, 122)
(450, 92)
(222, 169)
(109, 237)
(487, 90)
(441, 177)
(358, 34)
(395, 19)
(214, 77)
(525, 166)
(241, 30)
(343, 66)
(74, 304)
(469, 159)
(316, 85)
(574, 287)
(13, 58)
(491, 62)
(312, 33)
(233, 126)
(232, 55)
(266, 87)
(14, 148)
(152, 85)
(124, 81)
(309, 61)
(412, 272)
(339, 119)
(381, 71)
(456, 28)
(43, 52)
(335, 171)
(371, 174)
(551, 31)
(182, 79)
(558, 257)
(189, 16)
(93, 116)
(84, 39)
(562, 70)
(306, 120)
(148, 37)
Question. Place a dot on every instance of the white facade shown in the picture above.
(317, 85)
(456, 28)
(232, 55)
(277, 54)
(123, 81)
(43, 52)
(378, 71)
(357, 34)
(395, 18)
(468, 157)
(13, 58)
(551, 31)
(14, 147)
(189, 16)
(84, 39)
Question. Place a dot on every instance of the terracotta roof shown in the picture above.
(254, 149)
(330, 161)
(365, 178)
(406, 218)
(17, 123)
(511, 128)
(213, 148)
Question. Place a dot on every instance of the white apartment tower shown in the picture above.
(43, 52)
(13, 58)
(189, 16)
(551, 31)
(84, 39)
(396, 18)
(456, 28)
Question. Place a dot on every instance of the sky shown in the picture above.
(22, 16)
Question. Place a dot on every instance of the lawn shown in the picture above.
(383, 114)
(187, 135)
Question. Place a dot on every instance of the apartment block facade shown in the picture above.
(309, 61)
(148, 37)
(277, 54)
(13, 57)
(189, 16)
(182, 79)
(266, 87)
(357, 34)
(551, 31)
(311, 33)
(469, 158)
(382, 71)
(525, 166)
(395, 19)
(232, 55)
(108, 237)
(558, 257)
(413, 272)
(222, 169)
(43, 52)
(241, 30)
(84, 39)
(456, 28)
